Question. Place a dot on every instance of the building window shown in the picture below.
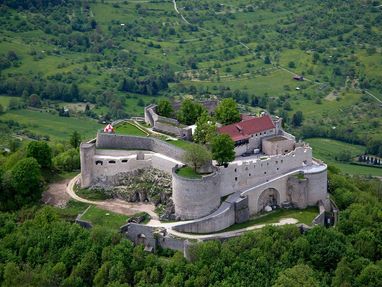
(235, 170)
(282, 161)
(99, 162)
(277, 168)
(124, 160)
(246, 168)
(265, 132)
(265, 172)
(249, 174)
(277, 162)
(111, 161)
(235, 178)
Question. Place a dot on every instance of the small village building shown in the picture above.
(249, 132)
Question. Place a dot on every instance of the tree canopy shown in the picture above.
(197, 156)
(41, 152)
(227, 112)
(223, 149)
(205, 129)
(165, 109)
(190, 111)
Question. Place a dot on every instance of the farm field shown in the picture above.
(57, 128)
(326, 150)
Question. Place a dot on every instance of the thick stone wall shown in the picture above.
(86, 155)
(219, 220)
(243, 174)
(195, 198)
(114, 141)
(179, 132)
(271, 147)
(317, 186)
(166, 125)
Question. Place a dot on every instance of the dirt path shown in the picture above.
(56, 194)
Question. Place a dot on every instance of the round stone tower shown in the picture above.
(195, 198)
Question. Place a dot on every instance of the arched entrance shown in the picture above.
(269, 197)
(141, 239)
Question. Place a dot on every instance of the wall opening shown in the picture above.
(112, 161)
(99, 162)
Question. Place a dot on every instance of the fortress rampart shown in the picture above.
(251, 183)
(202, 194)
(245, 173)
(166, 125)
(114, 141)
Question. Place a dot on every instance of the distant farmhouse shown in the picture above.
(271, 170)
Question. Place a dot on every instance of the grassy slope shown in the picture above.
(129, 129)
(104, 218)
(58, 128)
(303, 216)
(326, 149)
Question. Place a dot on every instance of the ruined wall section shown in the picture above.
(244, 174)
(114, 141)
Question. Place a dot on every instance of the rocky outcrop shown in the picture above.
(143, 185)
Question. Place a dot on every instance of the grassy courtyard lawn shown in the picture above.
(129, 129)
(180, 143)
(303, 216)
(106, 219)
(57, 128)
(91, 194)
(188, 172)
(327, 149)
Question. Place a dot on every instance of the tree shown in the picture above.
(41, 152)
(25, 182)
(190, 111)
(205, 129)
(34, 101)
(197, 156)
(165, 109)
(297, 119)
(292, 65)
(227, 112)
(75, 139)
(298, 276)
(223, 149)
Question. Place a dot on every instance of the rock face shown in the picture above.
(143, 185)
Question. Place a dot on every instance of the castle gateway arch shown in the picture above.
(269, 197)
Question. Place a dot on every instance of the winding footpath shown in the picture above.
(123, 207)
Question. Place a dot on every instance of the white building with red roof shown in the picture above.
(248, 134)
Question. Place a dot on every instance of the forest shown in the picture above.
(40, 247)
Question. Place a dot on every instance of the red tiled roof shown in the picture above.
(247, 127)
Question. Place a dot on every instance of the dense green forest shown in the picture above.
(40, 248)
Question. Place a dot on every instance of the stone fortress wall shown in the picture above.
(250, 182)
(202, 194)
(110, 154)
(166, 125)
